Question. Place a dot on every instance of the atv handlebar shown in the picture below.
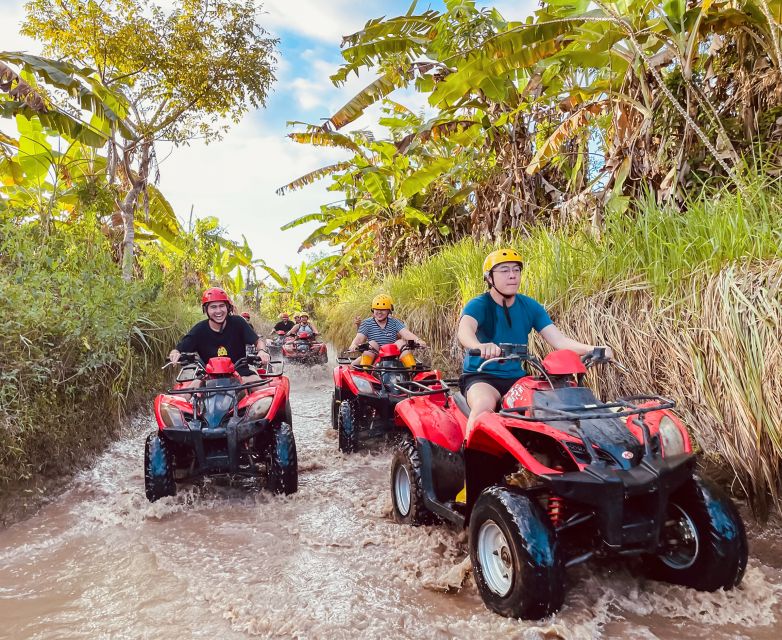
(598, 356)
(509, 352)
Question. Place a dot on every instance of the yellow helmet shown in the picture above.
(501, 255)
(383, 301)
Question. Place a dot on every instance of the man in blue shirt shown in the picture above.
(502, 315)
(381, 328)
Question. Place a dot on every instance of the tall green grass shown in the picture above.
(79, 347)
(689, 298)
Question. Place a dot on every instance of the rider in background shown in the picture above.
(381, 329)
(285, 324)
(304, 326)
(502, 315)
(221, 334)
(246, 316)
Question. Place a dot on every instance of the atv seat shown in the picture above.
(461, 402)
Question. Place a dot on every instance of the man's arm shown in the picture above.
(359, 339)
(406, 334)
(559, 340)
(468, 338)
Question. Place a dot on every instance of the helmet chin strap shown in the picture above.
(505, 298)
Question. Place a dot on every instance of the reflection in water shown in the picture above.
(234, 561)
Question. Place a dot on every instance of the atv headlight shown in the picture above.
(362, 384)
(259, 409)
(671, 437)
(171, 416)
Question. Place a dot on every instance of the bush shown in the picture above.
(78, 342)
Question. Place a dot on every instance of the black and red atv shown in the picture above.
(221, 427)
(362, 406)
(305, 348)
(558, 477)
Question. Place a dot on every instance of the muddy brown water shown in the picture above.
(223, 561)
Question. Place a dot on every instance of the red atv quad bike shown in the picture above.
(557, 478)
(362, 406)
(223, 427)
(304, 348)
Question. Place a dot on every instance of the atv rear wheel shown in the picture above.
(407, 492)
(515, 555)
(158, 468)
(282, 461)
(348, 426)
(704, 545)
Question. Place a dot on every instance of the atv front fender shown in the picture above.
(431, 422)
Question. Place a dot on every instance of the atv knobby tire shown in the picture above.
(282, 460)
(713, 550)
(158, 468)
(515, 555)
(348, 426)
(407, 492)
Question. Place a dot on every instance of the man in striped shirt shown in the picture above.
(381, 328)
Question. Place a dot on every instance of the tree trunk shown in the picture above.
(138, 183)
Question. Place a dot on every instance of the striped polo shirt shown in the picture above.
(372, 330)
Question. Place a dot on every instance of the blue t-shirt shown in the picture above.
(382, 335)
(526, 314)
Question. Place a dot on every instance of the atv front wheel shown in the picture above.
(348, 426)
(515, 556)
(704, 545)
(158, 468)
(407, 492)
(282, 460)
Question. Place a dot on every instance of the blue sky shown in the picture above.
(236, 178)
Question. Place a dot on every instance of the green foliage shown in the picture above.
(658, 251)
(79, 342)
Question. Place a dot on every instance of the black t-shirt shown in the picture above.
(284, 325)
(230, 342)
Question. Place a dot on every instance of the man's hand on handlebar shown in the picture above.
(173, 356)
(489, 350)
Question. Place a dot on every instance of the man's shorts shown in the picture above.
(503, 385)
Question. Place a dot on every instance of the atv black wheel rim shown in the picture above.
(495, 557)
(679, 537)
(402, 490)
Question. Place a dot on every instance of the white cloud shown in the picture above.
(236, 180)
(11, 16)
(324, 21)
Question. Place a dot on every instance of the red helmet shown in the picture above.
(215, 294)
(245, 315)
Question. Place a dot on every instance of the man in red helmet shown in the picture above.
(246, 316)
(221, 334)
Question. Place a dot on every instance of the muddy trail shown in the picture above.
(222, 561)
